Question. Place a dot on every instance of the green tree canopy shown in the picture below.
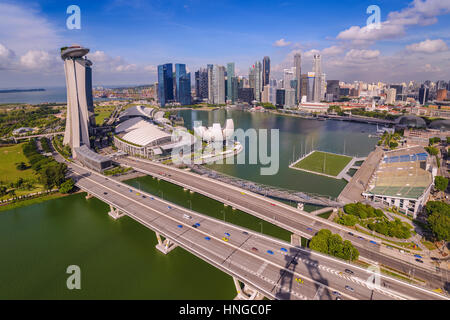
(440, 183)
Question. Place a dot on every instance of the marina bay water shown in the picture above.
(118, 259)
(297, 136)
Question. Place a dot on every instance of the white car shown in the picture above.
(186, 216)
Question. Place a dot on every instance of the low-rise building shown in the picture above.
(403, 179)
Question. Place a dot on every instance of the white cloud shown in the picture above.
(151, 68)
(428, 46)
(6, 57)
(38, 60)
(281, 43)
(429, 68)
(362, 54)
(23, 28)
(420, 12)
(417, 13)
(366, 34)
(332, 51)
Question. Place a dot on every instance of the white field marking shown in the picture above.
(260, 270)
(212, 236)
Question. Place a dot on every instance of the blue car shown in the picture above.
(269, 251)
(283, 249)
(152, 198)
(131, 190)
(207, 238)
(418, 256)
(227, 234)
(169, 207)
(309, 229)
(180, 226)
(371, 241)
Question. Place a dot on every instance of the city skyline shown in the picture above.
(412, 43)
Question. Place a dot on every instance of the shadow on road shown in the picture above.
(288, 279)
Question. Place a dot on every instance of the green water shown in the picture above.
(118, 259)
(297, 136)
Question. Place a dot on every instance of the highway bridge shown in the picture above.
(296, 221)
(267, 266)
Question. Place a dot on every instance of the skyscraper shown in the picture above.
(390, 95)
(255, 79)
(201, 83)
(317, 85)
(183, 84)
(80, 106)
(423, 95)
(266, 71)
(298, 73)
(218, 83)
(165, 84)
(209, 69)
(231, 80)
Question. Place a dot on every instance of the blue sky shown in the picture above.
(128, 39)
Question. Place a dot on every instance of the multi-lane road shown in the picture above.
(286, 217)
(275, 268)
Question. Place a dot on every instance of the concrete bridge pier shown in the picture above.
(115, 213)
(247, 293)
(164, 246)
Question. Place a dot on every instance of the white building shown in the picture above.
(218, 82)
(80, 106)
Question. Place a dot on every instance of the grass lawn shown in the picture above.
(9, 156)
(325, 215)
(322, 162)
(101, 113)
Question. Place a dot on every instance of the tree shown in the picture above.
(326, 242)
(439, 219)
(21, 166)
(440, 225)
(432, 151)
(67, 186)
(440, 183)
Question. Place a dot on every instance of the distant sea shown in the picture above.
(51, 94)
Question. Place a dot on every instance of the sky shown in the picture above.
(129, 38)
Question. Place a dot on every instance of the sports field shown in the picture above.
(324, 163)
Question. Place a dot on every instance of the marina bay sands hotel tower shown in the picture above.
(80, 105)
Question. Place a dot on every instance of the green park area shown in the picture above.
(9, 158)
(101, 113)
(13, 173)
(324, 163)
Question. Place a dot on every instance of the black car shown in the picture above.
(105, 192)
(418, 260)
(351, 234)
(245, 232)
(349, 271)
